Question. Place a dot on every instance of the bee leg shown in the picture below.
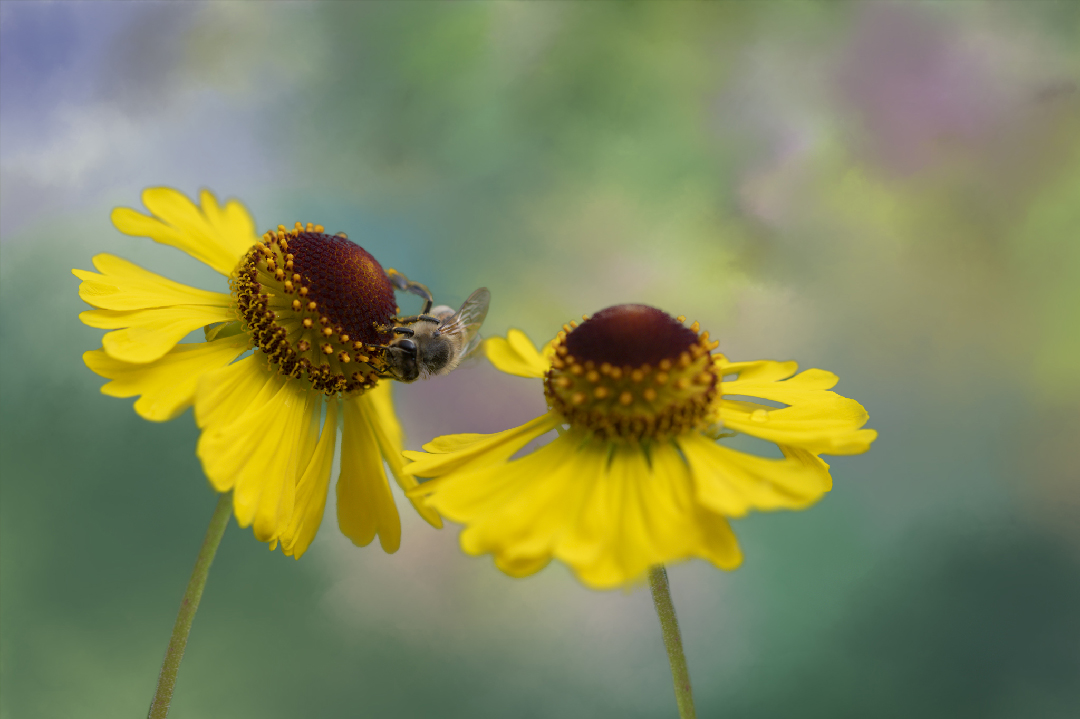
(404, 284)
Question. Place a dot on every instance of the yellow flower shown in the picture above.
(310, 306)
(636, 476)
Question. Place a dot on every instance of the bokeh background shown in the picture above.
(887, 190)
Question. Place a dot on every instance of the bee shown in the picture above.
(435, 341)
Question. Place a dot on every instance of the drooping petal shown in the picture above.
(166, 387)
(146, 335)
(516, 355)
(482, 451)
(378, 409)
(365, 506)
(212, 234)
(312, 488)
(519, 511)
(732, 483)
(223, 395)
(123, 285)
(709, 534)
(259, 455)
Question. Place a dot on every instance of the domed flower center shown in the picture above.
(633, 373)
(318, 306)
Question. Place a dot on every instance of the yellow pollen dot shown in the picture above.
(563, 382)
(557, 363)
(649, 394)
(324, 320)
(307, 323)
(344, 357)
(704, 378)
(311, 306)
(561, 351)
(310, 227)
(320, 229)
(577, 369)
(284, 245)
(281, 233)
(695, 327)
(592, 376)
(661, 378)
(358, 346)
(578, 398)
(299, 225)
(682, 383)
(637, 375)
(295, 277)
(625, 398)
(665, 364)
(327, 349)
(327, 331)
(616, 372)
(288, 287)
(684, 360)
(296, 305)
(281, 229)
(344, 338)
(600, 392)
(566, 328)
(681, 318)
(303, 292)
(573, 324)
(605, 368)
(289, 257)
(303, 345)
(584, 318)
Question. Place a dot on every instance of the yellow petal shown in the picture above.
(488, 449)
(214, 235)
(521, 511)
(516, 355)
(312, 488)
(757, 370)
(816, 419)
(167, 385)
(378, 409)
(708, 535)
(123, 285)
(259, 456)
(823, 422)
(149, 334)
(221, 396)
(732, 483)
(365, 506)
(451, 443)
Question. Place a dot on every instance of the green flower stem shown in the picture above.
(159, 707)
(669, 625)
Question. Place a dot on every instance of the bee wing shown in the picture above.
(468, 319)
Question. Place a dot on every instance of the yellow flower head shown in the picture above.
(637, 476)
(315, 309)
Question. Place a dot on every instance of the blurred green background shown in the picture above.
(887, 190)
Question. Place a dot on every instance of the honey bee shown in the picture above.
(435, 341)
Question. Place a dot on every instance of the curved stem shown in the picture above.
(159, 707)
(669, 625)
